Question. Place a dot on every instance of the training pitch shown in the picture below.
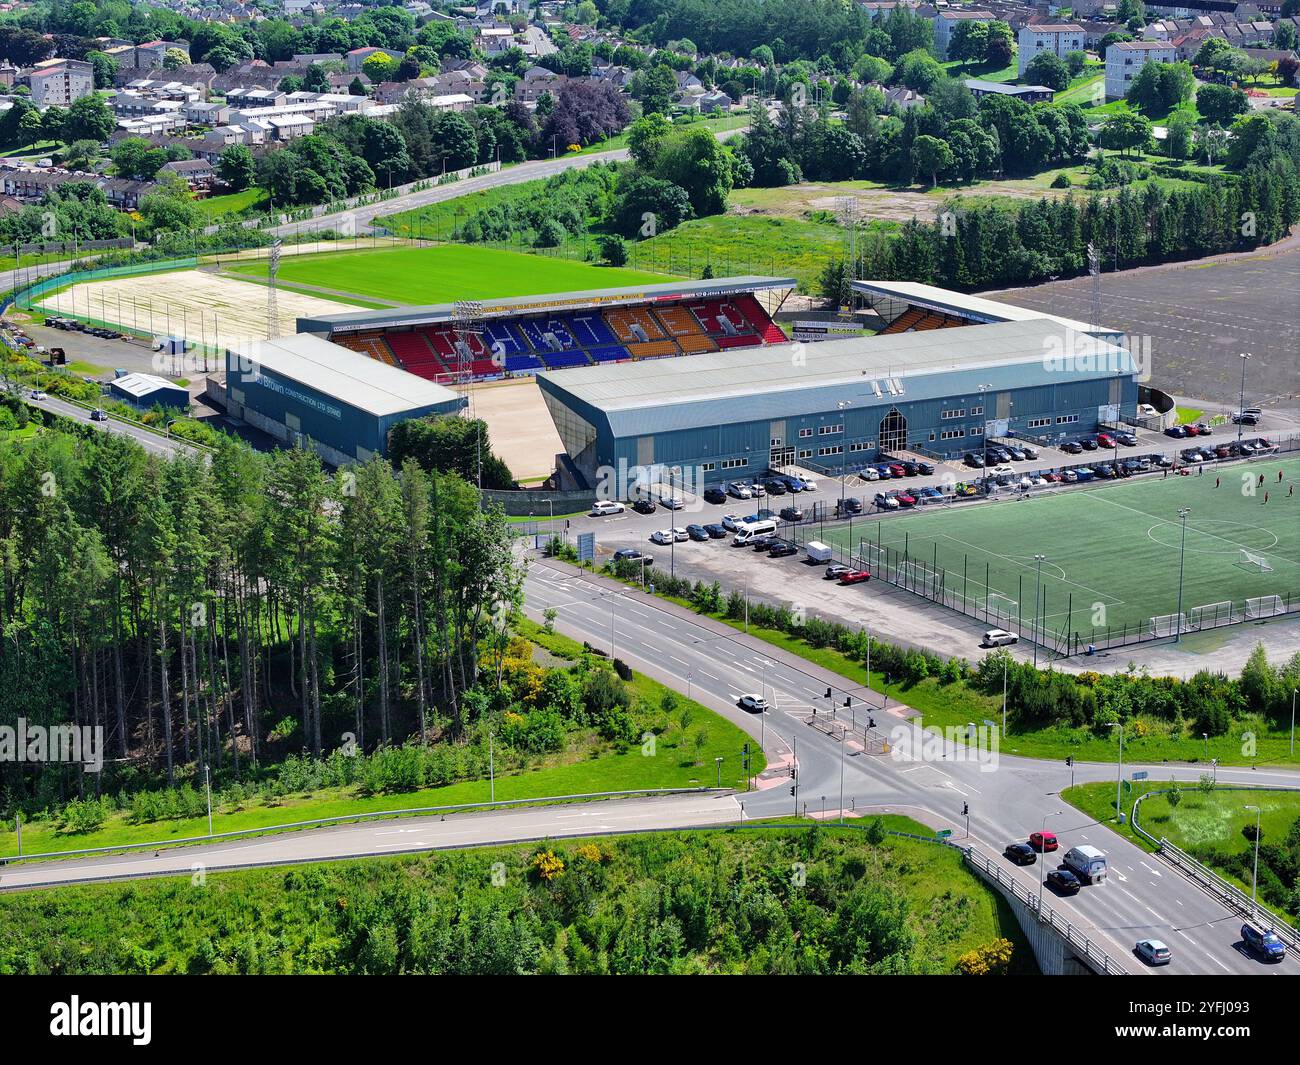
(444, 273)
(1111, 553)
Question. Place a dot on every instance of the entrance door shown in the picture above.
(781, 456)
(893, 431)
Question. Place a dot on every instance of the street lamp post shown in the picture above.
(1119, 770)
(1293, 691)
(1038, 589)
(207, 786)
(1241, 402)
(843, 744)
(1006, 658)
(1182, 552)
(1042, 861)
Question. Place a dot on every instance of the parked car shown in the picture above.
(1178, 432)
(1105, 470)
(1245, 418)
(775, 488)
(1263, 942)
(791, 514)
(680, 534)
(885, 502)
(644, 506)
(755, 704)
(605, 507)
(661, 536)
(1016, 454)
(930, 492)
(1046, 842)
(1153, 952)
(763, 543)
(869, 473)
(671, 503)
(906, 499)
(836, 570)
(757, 490)
(697, 533)
(783, 549)
(1020, 853)
(1063, 881)
(896, 470)
(910, 468)
(998, 638)
(926, 468)
(848, 505)
(1030, 451)
(1106, 440)
(631, 554)
(1089, 443)
(1084, 473)
(1127, 439)
(882, 471)
(732, 522)
(715, 495)
(715, 531)
(739, 491)
(855, 576)
(1072, 447)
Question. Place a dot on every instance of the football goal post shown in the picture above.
(1265, 606)
(1250, 560)
(1002, 611)
(1167, 625)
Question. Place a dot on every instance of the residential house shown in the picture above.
(948, 18)
(1058, 38)
(61, 83)
(1031, 94)
(1125, 59)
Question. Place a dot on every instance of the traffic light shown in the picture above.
(965, 809)
(828, 693)
(1069, 760)
(791, 789)
(871, 722)
(848, 701)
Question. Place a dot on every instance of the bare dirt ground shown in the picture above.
(519, 426)
(869, 203)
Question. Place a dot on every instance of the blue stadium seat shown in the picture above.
(557, 360)
(591, 331)
(522, 363)
(500, 333)
(613, 353)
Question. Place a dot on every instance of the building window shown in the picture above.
(1038, 423)
(862, 445)
(952, 434)
(829, 430)
(731, 464)
(707, 467)
(1067, 419)
(834, 449)
(977, 430)
(806, 453)
(956, 412)
(804, 433)
(975, 412)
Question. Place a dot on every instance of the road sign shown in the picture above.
(586, 547)
(1140, 774)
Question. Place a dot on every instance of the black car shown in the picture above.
(782, 549)
(910, 468)
(849, 505)
(1020, 853)
(791, 514)
(697, 532)
(1089, 443)
(716, 531)
(775, 488)
(973, 460)
(926, 468)
(631, 554)
(1072, 447)
(763, 543)
(714, 495)
(1063, 881)
(644, 506)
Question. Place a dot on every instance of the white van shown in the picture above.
(751, 531)
(818, 551)
(1087, 863)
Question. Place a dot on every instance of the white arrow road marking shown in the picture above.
(1148, 868)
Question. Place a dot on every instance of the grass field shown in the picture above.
(1112, 552)
(419, 275)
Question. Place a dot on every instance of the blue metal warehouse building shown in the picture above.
(304, 390)
(842, 403)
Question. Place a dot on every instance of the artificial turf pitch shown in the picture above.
(441, 274)
(1111, 551)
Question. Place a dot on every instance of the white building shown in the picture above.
(1126, 58)
(946, 20)
(61, 83)
(1059, 38)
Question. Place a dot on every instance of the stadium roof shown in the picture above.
(974, 307)
(555, 301)
(787, 380)
(345, 375)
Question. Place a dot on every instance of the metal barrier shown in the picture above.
(344, 818)
(1091, 954)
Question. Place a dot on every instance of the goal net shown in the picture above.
(1250, 560)
(918, 577)
(1211, 615)
(1002, 611)
(1265, 606)
(1167, 624)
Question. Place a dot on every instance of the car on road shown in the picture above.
(1153, 952)
(792, 514)
(783, 549)
(605, 507)
(739, 491)
(855, 576)
(755, 704)
(1043, 841)
(632, 554)
(1020, 853)
(1245, 418)
(835, 571)
(1263, 942)
(715, 495)
(661, 536)
(644, 506)
(98, 415)
(1063, 881)
(671, 503)
(697, 533)
(37, 394)
(715, 530)
(998, 638)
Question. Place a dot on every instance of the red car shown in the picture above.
(1052, 478)
(1043, 842)
(1105, 440)
(896, 470)
(855, 576)
(906, 499)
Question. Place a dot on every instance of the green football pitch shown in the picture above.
(1111, 553)
(420, 275)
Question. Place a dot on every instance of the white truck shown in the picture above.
(1087, 863)
(819, 552)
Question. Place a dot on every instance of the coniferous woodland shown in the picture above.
(192, 606)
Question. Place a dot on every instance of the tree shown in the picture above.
(81, 155)
(174, 58)
(316, 78)
(698, 162)
(104, 66)
(1178, 139)
(1075, 61)
(1125, 132)
(969, 42)
(999, 51)
(89, 119)
(29, 127)
(918, 70)
(645, 139)
(871, 69)
(170, 209)
(379, 67)
(655, 88)
(135, 157)
(385, 150)
(1160, 87)
(449, 445)
(1050, 70)
(930, 155)
(1221, 105)
(357, 87)
(235, 167)
(646, 206)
